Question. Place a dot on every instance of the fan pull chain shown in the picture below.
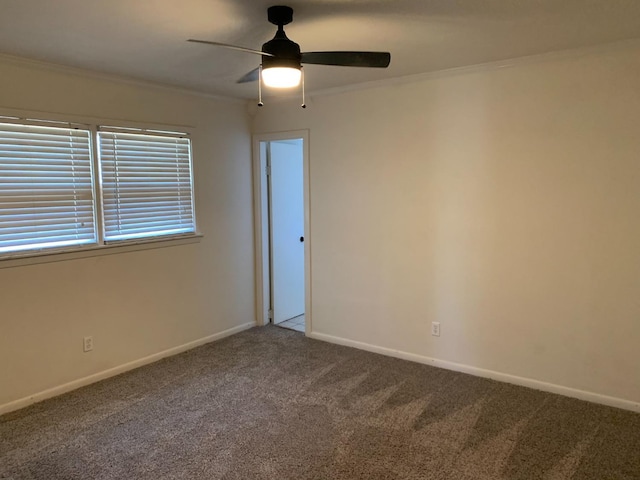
(260, 104)
(304, 105)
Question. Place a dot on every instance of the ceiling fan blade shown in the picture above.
(251, 76)
(232, 47)
(348, 59)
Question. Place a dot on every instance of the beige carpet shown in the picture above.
(271, 404)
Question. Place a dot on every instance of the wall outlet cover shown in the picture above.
(435, 329)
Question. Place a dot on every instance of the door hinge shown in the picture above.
(267, 170)
(270, 314)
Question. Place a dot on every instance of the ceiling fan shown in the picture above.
(281, 65)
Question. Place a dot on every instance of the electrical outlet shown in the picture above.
(435, 329)
(87, 345)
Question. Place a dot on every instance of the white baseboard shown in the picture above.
(96, 377)
(481, 372)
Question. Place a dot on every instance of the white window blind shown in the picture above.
(46, 189)
(147, 185)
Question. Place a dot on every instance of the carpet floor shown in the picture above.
(270, 403)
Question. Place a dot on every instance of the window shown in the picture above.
(54, 195)
(46, 187)
(146, 185)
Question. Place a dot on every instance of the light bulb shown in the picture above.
(281, 77)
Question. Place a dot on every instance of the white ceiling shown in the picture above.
(147, 39)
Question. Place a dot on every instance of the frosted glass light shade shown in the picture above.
(281, 77)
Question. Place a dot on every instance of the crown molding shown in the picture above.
(572, 53)
(80, 72)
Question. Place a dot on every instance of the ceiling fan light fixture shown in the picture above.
(281, 77)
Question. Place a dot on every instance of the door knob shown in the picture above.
(301, 239)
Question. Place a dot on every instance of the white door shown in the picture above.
(287, 228)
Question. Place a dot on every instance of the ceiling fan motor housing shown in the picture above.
(286, 53)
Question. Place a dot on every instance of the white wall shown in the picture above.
(139, 303)
(502, 202)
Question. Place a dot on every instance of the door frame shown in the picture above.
(261, 225)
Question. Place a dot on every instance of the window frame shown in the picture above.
(100, 247)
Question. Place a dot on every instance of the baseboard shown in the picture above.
(111, 372)
(481, 372)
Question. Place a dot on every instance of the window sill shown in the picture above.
(96, 251)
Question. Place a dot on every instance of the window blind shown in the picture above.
(46, 189)
(146, 185)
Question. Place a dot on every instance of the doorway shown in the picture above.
(282, 239)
